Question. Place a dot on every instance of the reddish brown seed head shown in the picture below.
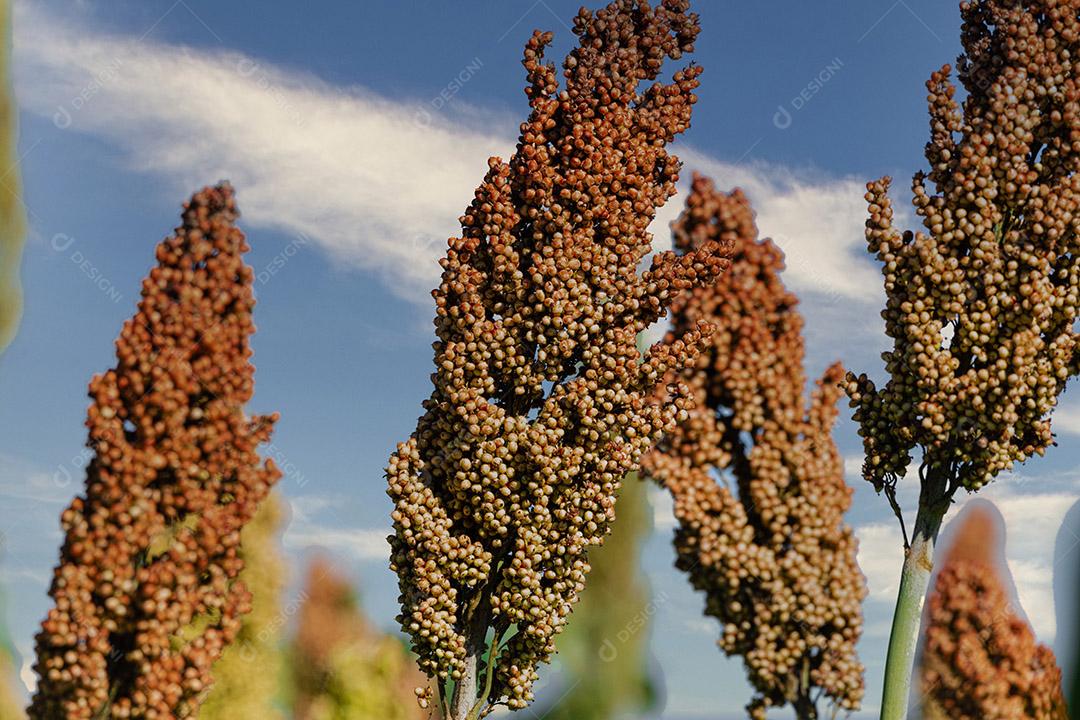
(539, 407)
(144, 595)
(769, 546)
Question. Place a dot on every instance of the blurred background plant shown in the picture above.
(756, 478)
(12, 214)
(11, 705)
(604, 659)
(341, 666)
(980, 659)
(249, 676)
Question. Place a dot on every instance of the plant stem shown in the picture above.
(934, 500)
(805, 709)
(466, 688)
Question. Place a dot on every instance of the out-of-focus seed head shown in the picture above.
(344, 667)
(980, 659)
(981, 303)
(769, 547)
(144, 595)
(540, 404)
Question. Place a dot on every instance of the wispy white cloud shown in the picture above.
(352, 170)
(356, 172)
(356, 543)
(881, 554)
(315, 522)
(1066, 417)
(853, 467)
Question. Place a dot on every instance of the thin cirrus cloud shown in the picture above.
(316, 522)
(355, 172)
(374, 182)
(1066, 417)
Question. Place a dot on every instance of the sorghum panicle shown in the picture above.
(980, 659)
(541, 400)
(981, 303)
(772, 553)
(145, 598)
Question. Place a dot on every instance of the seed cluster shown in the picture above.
(541, 400)
(145, 598)
(981, 661)
(981, 305)
(772, 554)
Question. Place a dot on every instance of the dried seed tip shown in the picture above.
(145, 598)
(539, 407)
(981, 304)
(775, 559)
(980, 658)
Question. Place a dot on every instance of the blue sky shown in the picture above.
(354, 134)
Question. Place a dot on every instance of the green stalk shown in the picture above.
(466, 687)
(805, 708)
(467, 702)
(934, 501)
